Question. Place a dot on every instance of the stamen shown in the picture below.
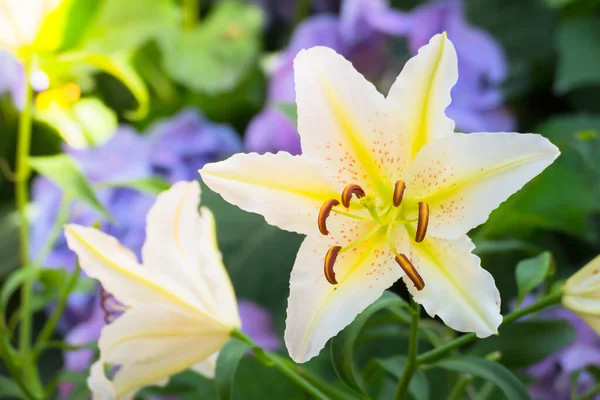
(350, 190)
(399, 189)
(410, 271)
(422, 222)
(330, 258)
(324, 214)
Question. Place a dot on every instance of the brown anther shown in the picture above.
(330, 258)
(399, 189)
(104, 297)
(422, 222)
(324, 214)
(351, 189)
(410, 271)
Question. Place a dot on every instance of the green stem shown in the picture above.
(5, 354)
(191, 13)
(591, 393)
(271, 360)
(411, 363)
(49, 326)
(441, 351)
(460, 387)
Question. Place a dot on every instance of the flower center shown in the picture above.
(384, 217)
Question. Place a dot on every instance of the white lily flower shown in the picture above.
(581, 293)
(22, 20)
(410, 189)
(180, 304)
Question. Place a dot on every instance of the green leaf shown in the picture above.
(528, 342)
(15, 280)
(62, 170)
(419, 385)
(214, 56)
(343, 345)
(578, 53)
(125, 25)
(152, 185)
(290, 111)
(9, 389)
(532, 272)
(9, 240)
(119, 65)
(227, 364)
(512, 387)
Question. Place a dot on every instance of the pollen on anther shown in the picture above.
(324, 214)
(399, 189)
(410, 271)
(349, 191)
(330, 258)
(422, 222)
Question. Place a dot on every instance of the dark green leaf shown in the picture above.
(227, 364)
(578, 52)
(419, 386)
(151, 185)
(9, 241)
(217, 54)
(512, 387)
(9, 389)
(527, 342)
(343, 345)
(62, 170)
(290, 111)
(532, 272)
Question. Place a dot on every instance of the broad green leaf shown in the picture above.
(578, 53)
(125, 25)
(512, 387)
(227, 364)
(62, 170)
(532, 272)
(79, 17)
(344, 343)
(151, 185)
(214, 56)
(52, 31)
(290, 111)
(419, 386)
(528, 342)
(9, 389)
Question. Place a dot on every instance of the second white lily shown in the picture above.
(383, 189)
(180, 307)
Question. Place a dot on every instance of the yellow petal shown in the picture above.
(457, 289)
(342, 119)
(287, 190)
(318, 310)
(181, 243)
(464, 177)
(421, 93)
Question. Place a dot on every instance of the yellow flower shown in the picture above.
(383, 189)
(582, 293)
(180, 307)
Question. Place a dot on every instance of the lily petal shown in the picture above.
(102, 257)
(287, 190)
(207, 367)
(464, 177)
(421, 93)
(342, 119)
(152, 342)
(457, 289)
(318, 310)
(181, 243)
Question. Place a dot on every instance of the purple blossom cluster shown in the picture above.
(361, 33)
(172, 149)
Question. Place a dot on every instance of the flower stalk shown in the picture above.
(413, 348)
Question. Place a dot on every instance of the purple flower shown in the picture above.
(271, 131)
(258, 324)
(184, 143)
(552, 374)
(476, 98)
(12, 79)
